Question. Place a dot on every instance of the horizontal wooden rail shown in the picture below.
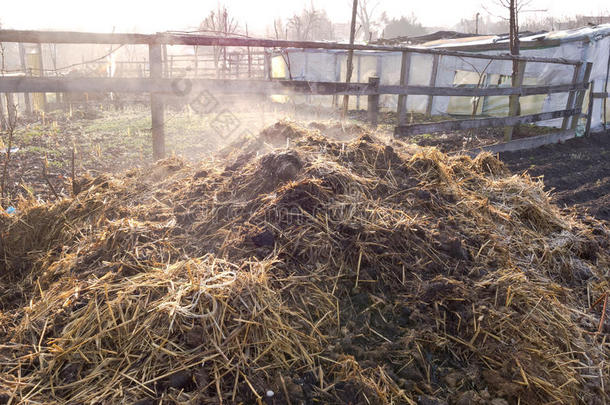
(525, 143)
(601, 95)
(73, 37)
(482, 91)
(414, 129)
(26, 84)
(178, 86)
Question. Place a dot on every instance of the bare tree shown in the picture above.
(301, 25)
(350, 56)
(514, 7)
(309, 24)
(366, 17)
(219, 22)
(3, 122)
(280, 31)
(406, 26)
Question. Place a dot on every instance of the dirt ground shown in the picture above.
(577, 171)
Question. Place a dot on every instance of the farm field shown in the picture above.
(577, 171)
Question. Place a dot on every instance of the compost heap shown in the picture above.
(295, 268)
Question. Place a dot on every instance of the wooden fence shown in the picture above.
(159, 85)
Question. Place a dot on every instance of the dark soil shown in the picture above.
(578, 171)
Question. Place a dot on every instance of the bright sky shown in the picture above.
(153, 15)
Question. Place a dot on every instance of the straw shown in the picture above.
(329, 270)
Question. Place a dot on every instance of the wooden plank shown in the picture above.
(373, 103)
(266, 43)
(165, 61)
(337, 79)
(600, 95)
(268, 67)
(156, 103)
(405, 66)
(433, 76)
(571, 97)
(132, 85)
(481, 92)
(72, 37)
(173, 86)
(580, 96)
(457, 125)
(590, 111)
(26, 96)
(41, 74)
(525, 143)
(513, 102)
(358, 78)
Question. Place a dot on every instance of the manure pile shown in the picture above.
(299, 267)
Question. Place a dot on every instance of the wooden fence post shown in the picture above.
(165, 61)
(373, 101)
(337, 79)
(433, 75)
(237, 62)
(405, 66)
(26, 96)
(41, 74)
(571, 96)
(513, 101)
(156, 102)
(268, 67)
(590, 110)
(249, 56)
(580, 98)
(358, 78)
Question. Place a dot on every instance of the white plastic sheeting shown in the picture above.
(589, 44)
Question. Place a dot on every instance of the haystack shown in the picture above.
(300, 269)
